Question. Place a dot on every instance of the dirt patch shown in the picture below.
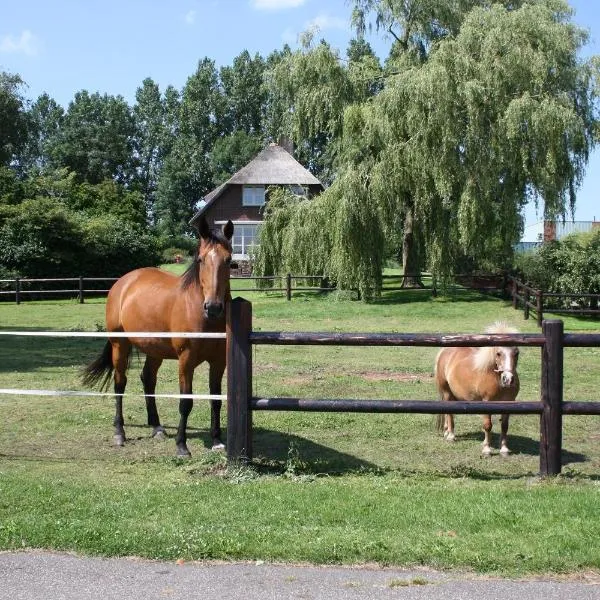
(401, 377)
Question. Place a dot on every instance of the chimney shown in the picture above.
(286, 143)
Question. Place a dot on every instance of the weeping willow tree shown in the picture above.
(496, 113)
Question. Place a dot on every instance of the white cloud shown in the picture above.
(190, 18)
(276, 4)
(26, 43)
(323, 22)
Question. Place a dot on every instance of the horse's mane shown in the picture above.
(191, 276)
(485, 355)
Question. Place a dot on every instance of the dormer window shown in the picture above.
(253, 195)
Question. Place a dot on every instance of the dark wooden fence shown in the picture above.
(528, 298)
(552, 341)
(80, 287)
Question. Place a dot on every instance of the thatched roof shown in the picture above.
(272, 166)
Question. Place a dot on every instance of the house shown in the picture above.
(242, 197)
(545, 231)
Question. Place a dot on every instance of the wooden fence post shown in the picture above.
(288, 286)
(80, 289)
(239, 381)
(540, 307)
(552, 398)
(18, 290)
(526, 302)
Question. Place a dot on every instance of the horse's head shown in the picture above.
(214, 258)
(506, 358)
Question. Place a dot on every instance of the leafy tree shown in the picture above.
(14, 121)
(232, 152)
(497, 112)
(186, 175)
(96, 139)
(309, 90)
(244, 94)
(46, 117)
(150, 142)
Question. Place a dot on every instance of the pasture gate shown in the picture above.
(551, 408)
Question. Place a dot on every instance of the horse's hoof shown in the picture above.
(218, 446)
(449, 437)
(159, 433)
(119, 440)
(504, 451)
(183, 452)
(486, 451)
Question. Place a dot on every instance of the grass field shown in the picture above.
(323, 488)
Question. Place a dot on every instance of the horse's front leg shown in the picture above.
(215, 378)
(504, 451)
(186, 373)
(487, 432)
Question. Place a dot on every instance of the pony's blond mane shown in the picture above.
(485, 355)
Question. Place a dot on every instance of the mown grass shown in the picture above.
(324, 488)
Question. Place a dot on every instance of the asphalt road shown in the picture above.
(53, 576)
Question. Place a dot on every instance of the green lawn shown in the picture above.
(323, 488)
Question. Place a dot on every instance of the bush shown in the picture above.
(570, 265)
(42, 238)
(170, 255)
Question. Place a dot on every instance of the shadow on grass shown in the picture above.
(425, 295)
(519, 444)
(276, 452)
(22, 353)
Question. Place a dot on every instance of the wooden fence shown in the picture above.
(21, 289)
(539, 301)
(551, 408)
(80, 288)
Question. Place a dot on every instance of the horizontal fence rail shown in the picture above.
(540, 301)
(241, 402)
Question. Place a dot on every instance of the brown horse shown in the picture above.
(486, 373)
(153, 300)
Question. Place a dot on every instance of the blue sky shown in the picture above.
(110, 46)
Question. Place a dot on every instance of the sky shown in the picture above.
(111, 46)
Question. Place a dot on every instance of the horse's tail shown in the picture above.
(99, 369)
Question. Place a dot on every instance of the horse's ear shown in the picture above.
(228, 230)
(202, 227)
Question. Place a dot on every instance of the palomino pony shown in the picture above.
(152, 300)
(486, 373)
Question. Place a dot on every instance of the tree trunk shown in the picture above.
(410, 254)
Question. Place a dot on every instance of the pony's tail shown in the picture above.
(99, 370)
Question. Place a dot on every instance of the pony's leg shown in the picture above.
(487, 432)
(449, 428)
(215, 377)
(148, 377)
(120, 357)
(185, 406)
(448, 418)
(504, 451)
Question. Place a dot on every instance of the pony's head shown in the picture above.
(501, 359)
(211, 267)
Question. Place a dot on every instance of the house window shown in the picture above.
(253, 195)
(244, 238)
(298, 190)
